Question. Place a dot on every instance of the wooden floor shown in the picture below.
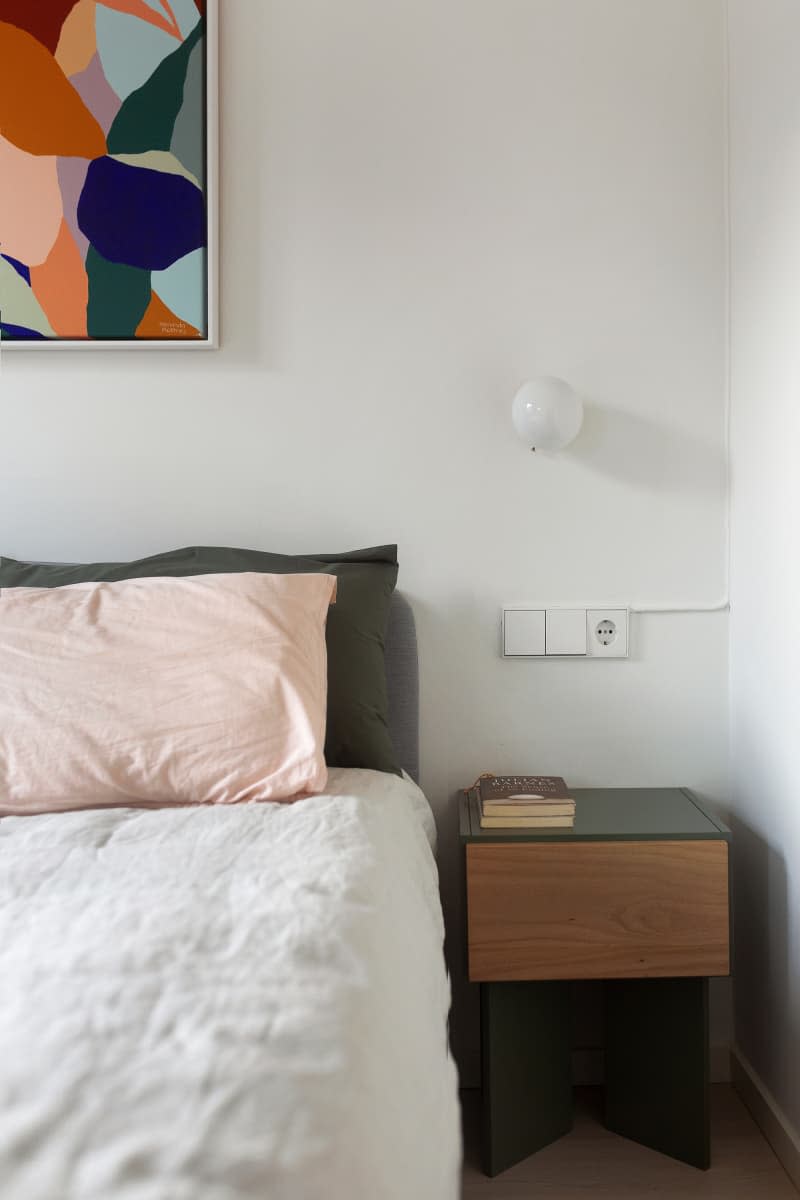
(591, 1162)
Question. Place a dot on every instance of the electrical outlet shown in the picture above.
(607, 632)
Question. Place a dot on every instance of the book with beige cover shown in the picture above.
(562, 822)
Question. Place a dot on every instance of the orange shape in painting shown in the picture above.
(78, 41)
(31, 207)
(61, 286)
(138, 8)
(40, 111)
(160, 322)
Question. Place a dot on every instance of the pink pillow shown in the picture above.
(202, 690)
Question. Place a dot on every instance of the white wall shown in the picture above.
(765, 640)
(424, 203)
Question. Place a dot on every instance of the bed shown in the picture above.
(231, 1002)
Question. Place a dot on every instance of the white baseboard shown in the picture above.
(768, 1114)
(719, 1063)
(588, 1067)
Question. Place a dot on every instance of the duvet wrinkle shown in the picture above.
(214, 1003)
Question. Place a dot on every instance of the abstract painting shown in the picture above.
(105, 179)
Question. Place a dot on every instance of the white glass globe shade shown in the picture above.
(546, 413)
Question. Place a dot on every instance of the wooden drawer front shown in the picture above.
(597, 910)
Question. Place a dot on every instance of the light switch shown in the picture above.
(523, 632)
(565, 631)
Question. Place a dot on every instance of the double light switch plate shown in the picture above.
(565, 632)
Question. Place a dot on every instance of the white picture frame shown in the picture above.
(212, 339)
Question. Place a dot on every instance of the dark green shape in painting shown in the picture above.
(147, 118)
(118, 297)
(188, 138)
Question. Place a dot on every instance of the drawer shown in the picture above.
(597, 910)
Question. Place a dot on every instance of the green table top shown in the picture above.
(611, 814)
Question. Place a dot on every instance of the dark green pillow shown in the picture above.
(358, 729)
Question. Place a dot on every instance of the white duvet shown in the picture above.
(227, 1003)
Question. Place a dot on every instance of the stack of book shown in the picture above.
(525, 802)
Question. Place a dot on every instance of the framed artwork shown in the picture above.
(108, 162)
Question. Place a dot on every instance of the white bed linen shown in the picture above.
(227, 1003)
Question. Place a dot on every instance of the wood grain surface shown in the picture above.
(597, 910)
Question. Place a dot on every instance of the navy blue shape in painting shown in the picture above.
(140, 217)
(19, 267)
(19, 331)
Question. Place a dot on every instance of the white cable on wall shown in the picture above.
(722, 605)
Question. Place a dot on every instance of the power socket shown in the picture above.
(607, 632)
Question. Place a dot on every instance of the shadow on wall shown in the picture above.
(447, 705)
(249, 298)
(648, 454)
(760, 948)
(452, 715)
(465, 1012)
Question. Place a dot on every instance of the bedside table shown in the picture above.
(637, 895)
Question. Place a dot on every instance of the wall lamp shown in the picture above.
(547, 414)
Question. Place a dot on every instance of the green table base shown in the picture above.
(527, 1077)
(656, 1067)
(657, 1073)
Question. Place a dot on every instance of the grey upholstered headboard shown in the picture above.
(402, 676)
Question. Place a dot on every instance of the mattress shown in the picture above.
(227, 1003)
